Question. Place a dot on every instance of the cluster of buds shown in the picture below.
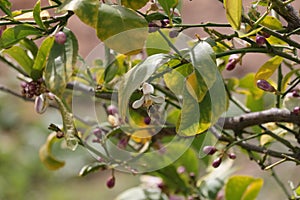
(32, 88)
(232, 61)
(211, 150)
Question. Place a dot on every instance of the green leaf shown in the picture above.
(134, 78)
(60, 65)
(14, 34)
(20, 55)
(47, 157)
(134, 4)
(155, 43)
(86, 10)
(37, 15)
(272, 23)
(121, 29)
(268, 68)
(30, 45)
(41, 58)
(243, 188)
(167, 5)
(233, 10)
(5, 6)
(203, 60)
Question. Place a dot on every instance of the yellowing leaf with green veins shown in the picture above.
(243, 188)
(87, 11)
(272, 23)
(268, 69)
(233, 10)
(121, 29)
(47, 157)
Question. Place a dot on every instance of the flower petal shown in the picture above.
(157, 99)
(138, 103)
(147, 88)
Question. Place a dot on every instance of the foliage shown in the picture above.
(157, 97)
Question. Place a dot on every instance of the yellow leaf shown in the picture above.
(267, 69)
(46, 156)
(234, 12)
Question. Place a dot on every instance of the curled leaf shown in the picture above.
(47, 157)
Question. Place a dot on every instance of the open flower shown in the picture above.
(147, 99)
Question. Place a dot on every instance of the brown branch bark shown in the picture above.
(238, 123)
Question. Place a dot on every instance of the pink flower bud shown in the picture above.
(60, 37)
(216, 163)
(110, 183)
(260, 40)
(209, 150)
(232, 156)
(265, 85)
(40, 104)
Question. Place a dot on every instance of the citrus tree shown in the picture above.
(152, 101)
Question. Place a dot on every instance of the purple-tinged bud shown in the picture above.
(216, 163)
(295, 93)
(147, 120)
(232, 156)
(260, 40)
(98, 133)
(265, 85)
(41, 104)
(110, 183)
(209, 150)
(232, 61)
(60, 37)
(173, 33)
(296, 110)
(112, 109)
(180, 169)
(152, 27)
(165, 22)
(230, 65)
(123, 143)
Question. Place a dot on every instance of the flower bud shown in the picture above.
(180, 169)
(296, 110)
(60, 37)
(216, 163)
(265, 85)
(232, 61)
(41, 104)
(147, 120)
(260, 40)
(232, 156)
(173, 33)
(112, 110)
(209, 150)
(110, 183)
(152, 27)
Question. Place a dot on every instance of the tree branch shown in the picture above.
(238, 123)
